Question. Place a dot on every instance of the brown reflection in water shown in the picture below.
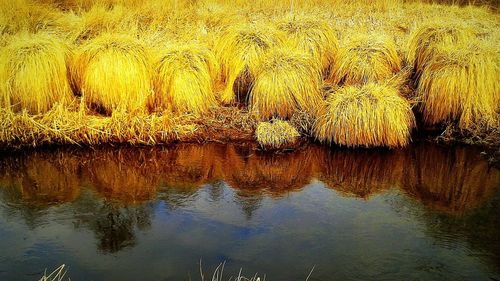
(453, 179)
(126, 176)
(361, 173)
(276, 174)
(450, 179)
(190, 166)
(42, 179)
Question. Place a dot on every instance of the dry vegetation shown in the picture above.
(147, 72)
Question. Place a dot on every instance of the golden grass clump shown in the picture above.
(276, 134)
(369, 115)
(33, 73)
(285, 81)
(462, 85)
(185, 76)
(367, 58)
(238, 51)
(424, 41)
(101, 18)
(113, 72)
(32, 16)
(312, 35)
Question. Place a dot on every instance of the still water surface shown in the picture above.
(426, 212)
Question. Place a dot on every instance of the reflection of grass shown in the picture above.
(361, 173)
(452, 179)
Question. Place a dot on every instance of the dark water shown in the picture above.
(423, 213)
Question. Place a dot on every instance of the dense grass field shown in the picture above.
(350, 73)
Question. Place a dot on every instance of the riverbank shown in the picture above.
(350, 74)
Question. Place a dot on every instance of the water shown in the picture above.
(427, 212)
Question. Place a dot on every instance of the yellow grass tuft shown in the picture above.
(102, 18)
(312, 35)
(238, 51)
(285, 81)
(114, 73)
(276, 134)
(424, 42)
(461, 84)
(33, 73)
(369, 115)
(367, 58)
(184, 78)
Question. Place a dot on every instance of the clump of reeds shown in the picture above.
(276, 134)
(33, 73)
(101, 18)
(57, 275)
(461, 84)
(185, 76)
(62, 126)
(368, 115)
(312, 35)
(367, 58)
(238, 51)
(425, 40)
(285, 81)
(219, 271)
(113, 72)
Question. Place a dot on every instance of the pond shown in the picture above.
(426, 212)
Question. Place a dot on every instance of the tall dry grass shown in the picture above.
(285, 82)
(113, 72)
(461, 85)
(314, 36)
(238, 50)
(276, 134)
(33, 73)
(425, 40)
(367, 58)
(135, 57)
(185, 76)
(369, 115)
